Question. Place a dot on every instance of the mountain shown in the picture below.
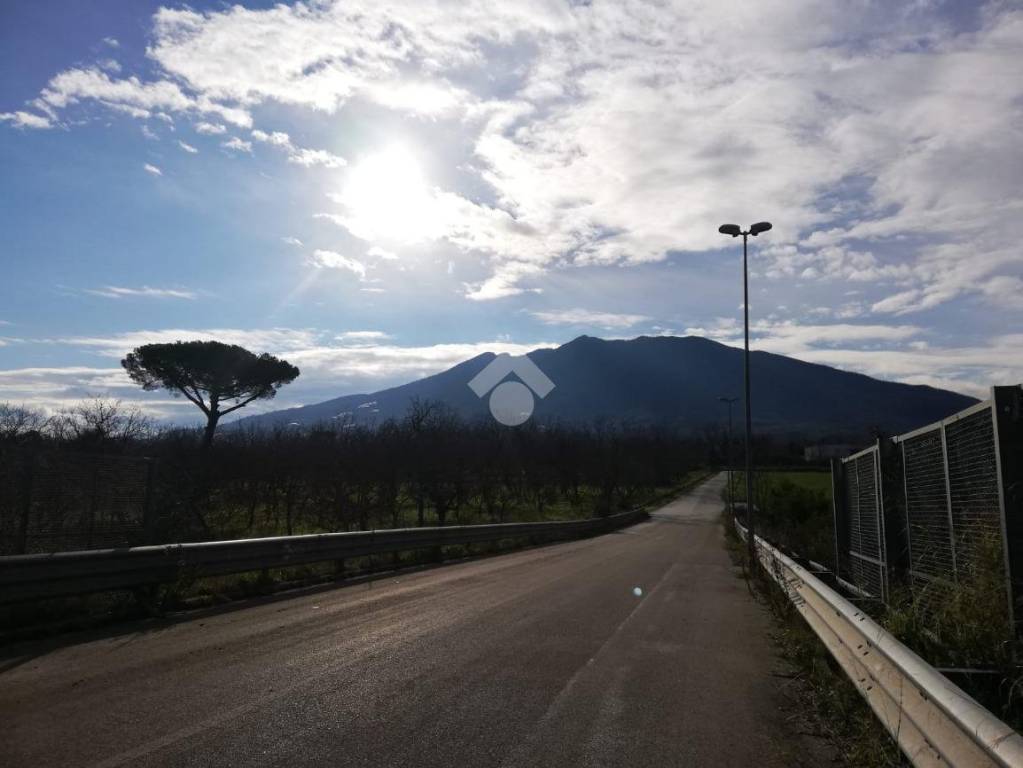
(665, 380)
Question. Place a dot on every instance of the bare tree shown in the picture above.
(18, 421)
(100, 423)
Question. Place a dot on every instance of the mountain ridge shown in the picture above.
(671, 381)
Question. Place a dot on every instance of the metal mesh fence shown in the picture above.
(953, 488)
(862, 519)
(929, 530)
(53, 501)
(973, 486)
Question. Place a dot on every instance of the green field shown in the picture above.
(794, 510)
(812, 481)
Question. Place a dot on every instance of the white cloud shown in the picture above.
(52, 388)
(74, 85)
(291, 241)
(504, 282)
(574, 185)
(310, 157)
(891, 352)
(277, 340)
(152, 169)
(788, 337)
(883, 140)
(423, 98)
(830, 262)
(131, 111)
(299, 155)
(277, 137)
(390, 362)
(330, 367)
(362, 337)
(332, 260)
(130, 95)
(971, 370)
(120, 292)
(321, 56)
(187, 147)
(382, 253)
(1005, 290)
(210, 129)
(20, 119)
(898, 303)
(586, 317)
(25, 384)
(238, 145)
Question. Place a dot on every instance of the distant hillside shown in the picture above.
(669, 381)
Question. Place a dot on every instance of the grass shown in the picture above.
(816, 482)
(965, 626)
(794, 510)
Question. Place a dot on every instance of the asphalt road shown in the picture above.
(545, 657)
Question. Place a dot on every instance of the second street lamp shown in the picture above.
(734, 231)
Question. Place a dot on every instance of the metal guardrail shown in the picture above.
(31, 577)
(933, 720)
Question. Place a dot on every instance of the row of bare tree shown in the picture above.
(428, 468)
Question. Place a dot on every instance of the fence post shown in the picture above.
(910, 564)
(839, 514)
(882, 525)
(1007, 414)
(896, 537)
(948, 502)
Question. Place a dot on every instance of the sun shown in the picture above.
(386, 198)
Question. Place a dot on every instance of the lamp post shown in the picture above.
(731, 502)
(734, 231)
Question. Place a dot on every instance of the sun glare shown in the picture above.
(387, 198)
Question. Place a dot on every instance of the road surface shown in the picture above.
(544, 657)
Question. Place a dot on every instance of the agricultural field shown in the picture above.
(794, 510)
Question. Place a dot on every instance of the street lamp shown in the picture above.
(734, 231)
(731, 502)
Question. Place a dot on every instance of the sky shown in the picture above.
(378, 190)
